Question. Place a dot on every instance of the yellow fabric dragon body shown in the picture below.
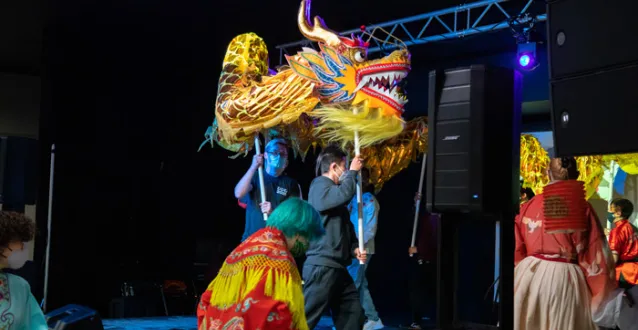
(314, 95)
(319, 97)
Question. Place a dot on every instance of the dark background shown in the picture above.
(127, 93)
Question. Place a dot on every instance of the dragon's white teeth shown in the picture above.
(363, 83)
(385, 83)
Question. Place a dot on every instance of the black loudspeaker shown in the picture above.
(475, 118)
(74, 317)
(18, 172)
(593, 63)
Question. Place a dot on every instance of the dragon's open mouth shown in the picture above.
(384, 82)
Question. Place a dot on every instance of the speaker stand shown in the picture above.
(448, 274)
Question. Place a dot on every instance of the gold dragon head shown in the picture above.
(342, 72)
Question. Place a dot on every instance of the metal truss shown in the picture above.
(451, 23)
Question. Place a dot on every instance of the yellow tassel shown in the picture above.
(268, 285)
(338, 124)
(235, 281)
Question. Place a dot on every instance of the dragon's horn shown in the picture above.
(317, 32)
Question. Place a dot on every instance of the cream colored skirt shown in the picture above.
(551, 295)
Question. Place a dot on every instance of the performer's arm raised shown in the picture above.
(328, 196)
(244, 185)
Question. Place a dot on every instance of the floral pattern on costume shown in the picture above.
(246, 305)
(272, 316)
(531, 224)
(594, 269)
(6, 317)
(211, 324)
(586, 248)
(259, 271)
(236, 323)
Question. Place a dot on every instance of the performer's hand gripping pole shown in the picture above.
(260, 170)
(417, 201)
(357, 153)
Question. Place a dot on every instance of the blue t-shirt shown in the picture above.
(278, 189)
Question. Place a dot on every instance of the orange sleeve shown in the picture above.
(617, 240)
(598, 267)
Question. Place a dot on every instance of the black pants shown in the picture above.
(328, 288)
(623, 284)
(422, 283)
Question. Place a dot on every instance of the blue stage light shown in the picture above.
(524, 60)
(526, 56)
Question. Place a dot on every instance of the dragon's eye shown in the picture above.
(360, 56)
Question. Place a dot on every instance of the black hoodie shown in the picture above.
(336, 248)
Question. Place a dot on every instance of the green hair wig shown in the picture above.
(296, 217)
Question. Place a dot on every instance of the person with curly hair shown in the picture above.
(259, 286)
(18, 307)
(563, 275)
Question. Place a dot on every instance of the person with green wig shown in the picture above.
(259, 286)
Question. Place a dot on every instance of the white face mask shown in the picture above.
(342, 175)
(18, 258)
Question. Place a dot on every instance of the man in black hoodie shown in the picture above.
(327, 284)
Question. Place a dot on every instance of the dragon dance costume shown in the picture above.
(258, 287)
(319, 97)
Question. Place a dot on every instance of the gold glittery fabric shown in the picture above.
(626, 162)
(337, 85)
(534, 163)
(386, 159)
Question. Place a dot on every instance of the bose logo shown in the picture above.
(451, 138)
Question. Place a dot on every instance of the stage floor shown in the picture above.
(176, 322)
(179, 322)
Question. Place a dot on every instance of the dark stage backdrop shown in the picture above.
(128, 91)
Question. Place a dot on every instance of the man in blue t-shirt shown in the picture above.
(278, 186)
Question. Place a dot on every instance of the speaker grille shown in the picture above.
(453, 140)
(472, 113)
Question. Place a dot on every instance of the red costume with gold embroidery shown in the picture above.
(563, 264)
(257, 288)
(623, 241)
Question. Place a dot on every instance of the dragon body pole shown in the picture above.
(262, 187)
(357, 153)
(613, 170)
(417, 202)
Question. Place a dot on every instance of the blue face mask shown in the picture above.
(276, 161)
(610, 217)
